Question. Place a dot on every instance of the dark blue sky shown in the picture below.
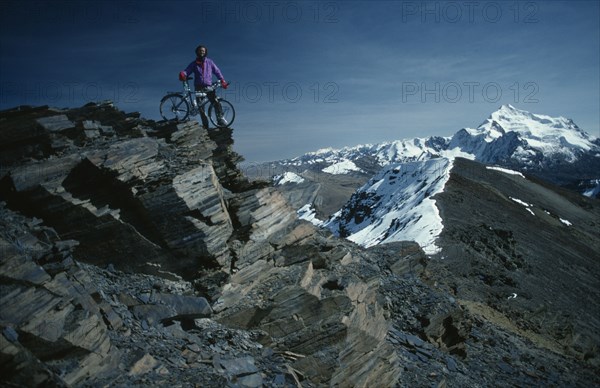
(312, 74)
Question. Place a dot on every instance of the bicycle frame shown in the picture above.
(192, 96)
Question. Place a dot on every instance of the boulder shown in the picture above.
(52, 319)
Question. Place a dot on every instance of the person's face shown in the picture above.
(201, 51)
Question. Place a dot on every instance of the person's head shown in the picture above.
(201, 51)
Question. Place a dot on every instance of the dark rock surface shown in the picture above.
(535, 262)
(136, 253)
(55, 331)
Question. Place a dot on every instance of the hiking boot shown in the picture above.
(222, 122)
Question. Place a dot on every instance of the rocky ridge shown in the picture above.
(136, 253)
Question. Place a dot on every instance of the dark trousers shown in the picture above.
(212, 96)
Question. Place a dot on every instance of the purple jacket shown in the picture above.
(203, 74)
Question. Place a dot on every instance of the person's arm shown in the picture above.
(217, 72)
(219, 75)
(185, 73)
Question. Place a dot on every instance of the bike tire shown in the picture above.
(174, 107)
(228, 114)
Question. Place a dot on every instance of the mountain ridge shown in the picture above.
(395, 205)
(553, 149)
(509, 137)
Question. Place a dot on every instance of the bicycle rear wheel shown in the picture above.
(174, 107)
(228, 114)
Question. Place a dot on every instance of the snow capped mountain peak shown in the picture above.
(523, 137)
(535, 125)
(507, 107)
(510, 110)
(509, 136)
(322, 151)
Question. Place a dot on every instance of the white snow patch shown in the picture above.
(520, 202)
(401, 206)
(505, 170)
(594, 191)
(456, 153)
(373, 188)
(288, 177)
(527, 205)
(307, 213)
(566, 222)
(342, 167)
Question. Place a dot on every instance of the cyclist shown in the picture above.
(203, 69)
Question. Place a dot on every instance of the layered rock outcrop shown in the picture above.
(167, 199)
(55, 328)
(131, 198)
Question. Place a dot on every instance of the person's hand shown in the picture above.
(182, 76)
(224, 84)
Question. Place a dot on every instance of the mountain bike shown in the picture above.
(180, 106)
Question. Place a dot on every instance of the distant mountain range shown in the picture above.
(394, 182)
(554, 149)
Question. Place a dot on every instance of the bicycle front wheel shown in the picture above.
(224, 118)
(174, 107)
